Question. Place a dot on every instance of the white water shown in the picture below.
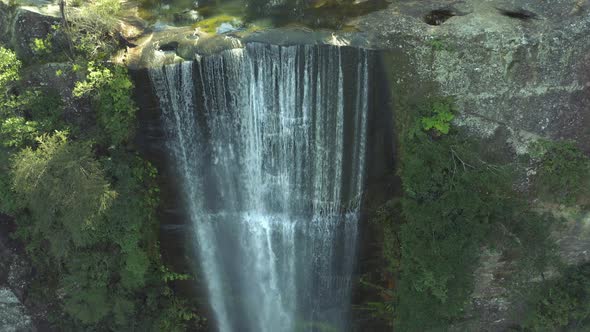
(270, 143)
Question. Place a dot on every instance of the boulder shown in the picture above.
(14, 276)
(13, 316)
(19, 26)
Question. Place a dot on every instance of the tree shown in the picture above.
(111, 91)
(64, 190)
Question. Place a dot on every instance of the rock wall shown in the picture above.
(12, 313)
(529, 76)
(519, 70)
(14, 317)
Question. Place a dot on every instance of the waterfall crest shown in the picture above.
(270, 143)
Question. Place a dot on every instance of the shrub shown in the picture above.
(455, 202)
(111, 91)
(91, 28)
(562, 171)
(561, 302)
(439, 117)
(17, 132)
(64, 190)
(9, 69)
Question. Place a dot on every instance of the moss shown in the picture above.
(211, 24)
(147, 14)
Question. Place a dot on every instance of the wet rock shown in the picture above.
(226, 27)
(14, 276)
(187, 17)
(6, 19)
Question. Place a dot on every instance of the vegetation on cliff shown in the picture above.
(83, 200)
(459, 197)
(561, 303)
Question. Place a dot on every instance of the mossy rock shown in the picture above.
(211, 24)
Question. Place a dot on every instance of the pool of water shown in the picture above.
(254, 14)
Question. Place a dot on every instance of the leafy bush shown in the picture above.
(562, 171)
(65, 192)
(561, 302)
(9, 69)
(42, 47)
(17, 132)
(439, 117)
(91, 28)
(380, 278)
(111, 93)
(455, 202)
(88, 224)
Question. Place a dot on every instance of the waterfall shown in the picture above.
(270, 144)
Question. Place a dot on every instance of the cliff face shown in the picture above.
(517, 75)
(14, 273)
(12, 313)
(523, 71)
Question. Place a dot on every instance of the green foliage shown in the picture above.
(100, 215)
(9, 68)
(50, 48)
(562, 171)
(111, 90)
(456, 200)
(7, 200)
(379, 281)
(176, 317)
(16, 131)
(383, 310)
(439, 117)
(92, 26)
(29, 113)
(88, 224)
(438, 44)
(561, 302)
(64, 190)
(168, 275)
(41, 47)
(451, 202)
(384, 220)
(85, 286)
(24, 115)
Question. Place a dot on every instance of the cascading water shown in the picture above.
(270, 142)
